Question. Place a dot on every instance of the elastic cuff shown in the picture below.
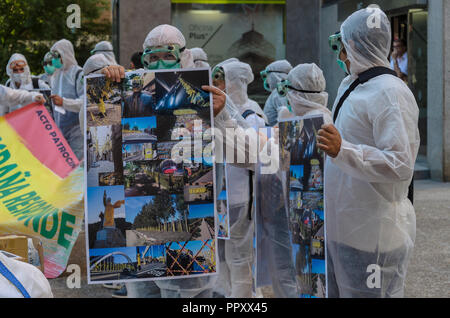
(345, 145)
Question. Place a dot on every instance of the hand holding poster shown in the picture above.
(41, 186)
(150, 178)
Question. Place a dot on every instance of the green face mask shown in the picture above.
(49, 69)
(343, 65)
(266, 86)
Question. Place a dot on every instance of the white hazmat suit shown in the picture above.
(370, 221)
(105, 48)
(307, 77)
(25, 79)
(277, 72)
(235, 277)
(67, 83)
(165, 35)
(200, 57)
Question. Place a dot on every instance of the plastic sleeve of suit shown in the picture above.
(73, 105)
(389, 160)
(11, 97)
(231, 123)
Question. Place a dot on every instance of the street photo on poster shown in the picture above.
(152, 216)
(223, 223)
(147, 178)
(199, 183)
(104, 156)
(103, 101)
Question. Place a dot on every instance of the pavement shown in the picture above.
(428, 272)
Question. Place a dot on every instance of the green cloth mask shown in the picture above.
(266, 86)
(49, 69)
(57, 62)
(343, 65)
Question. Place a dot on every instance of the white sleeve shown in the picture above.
(73, 105)
(43, 85)
(230, 123)
(12, 97)
(391, 160)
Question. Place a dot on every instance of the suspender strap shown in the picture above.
(35, 81)
(248, 113)
(362, 78)
(13, 280)
(250, 204)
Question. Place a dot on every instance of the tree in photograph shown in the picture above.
(183, 210)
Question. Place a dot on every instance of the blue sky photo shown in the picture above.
(142, 123)
(95, 202)
(197, 211)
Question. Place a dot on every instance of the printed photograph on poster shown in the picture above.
(180, 93)
(157, 219)
(139, 130)
(199, 186)
(103, 101)
(117, 264)
(147, 178)
(189, 124)
(222, 202)
(104, 156)
(190, 258)
(139, 152)
(106, 217)
(139, 94)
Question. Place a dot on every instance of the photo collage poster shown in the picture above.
(290, 221)
(149, 214)
(223, 221)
